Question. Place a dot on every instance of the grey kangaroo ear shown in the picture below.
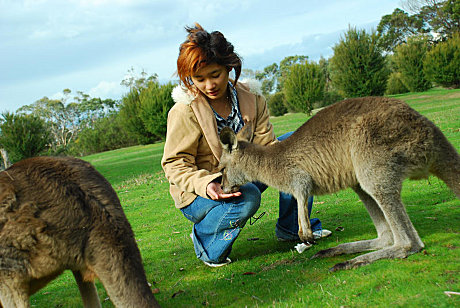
(245, 133)
(228, 139)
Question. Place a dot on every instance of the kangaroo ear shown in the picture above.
(228, 139)
(245, 133)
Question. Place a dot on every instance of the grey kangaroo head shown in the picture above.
(232, 175)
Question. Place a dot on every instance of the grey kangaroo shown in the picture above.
(58, 214)
(369, 144)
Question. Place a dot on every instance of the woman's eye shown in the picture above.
(216, 76)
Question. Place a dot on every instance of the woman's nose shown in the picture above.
(210, 84)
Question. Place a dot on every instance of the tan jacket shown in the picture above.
(192, 149)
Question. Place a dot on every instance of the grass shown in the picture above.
(268, 273)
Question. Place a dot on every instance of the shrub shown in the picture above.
(442, 63)
(276, 104)
(408, 59)
(130, 112)
(330, 97)
(156, 101)
(303, 86)
(23, 136)
(358, 67)
(106, 134)
(395, 84)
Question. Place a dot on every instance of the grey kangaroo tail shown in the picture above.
(447, 163)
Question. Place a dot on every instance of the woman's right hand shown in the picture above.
(215, 192)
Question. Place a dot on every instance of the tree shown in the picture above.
(439, 20)
(156, 101)
(130, 113)
(408, 59)
(68, 115)
(138, 81)
(23, 136)
(442, 63)
(394, 29)
(276, 104)
(303, 85)
(272, 77)
(358, 67)
(268, 78)
(442, 17)
(144, 108)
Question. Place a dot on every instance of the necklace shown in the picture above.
(222, 108)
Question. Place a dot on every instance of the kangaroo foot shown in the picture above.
(353, 247)
(393, 252)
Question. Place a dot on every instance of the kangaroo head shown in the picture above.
(233, 175)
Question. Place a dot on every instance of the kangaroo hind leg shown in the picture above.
(406, 240)
(384, 233)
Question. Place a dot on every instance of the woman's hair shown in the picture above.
(202, 48)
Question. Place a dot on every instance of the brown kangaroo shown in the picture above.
(58, 214)
(369, 144)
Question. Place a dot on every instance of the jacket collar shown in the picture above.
(205, 115)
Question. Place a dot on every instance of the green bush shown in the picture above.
(303, 86)
(395, 84)
(408, 59)
(358, 67)
(130, 112)
(442, 63)
(23, 136)
(276, 104)
(106, 134)
(330, 97)
(156, 101)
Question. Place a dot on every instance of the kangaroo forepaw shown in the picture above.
(307, 238)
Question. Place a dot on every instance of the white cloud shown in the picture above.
(107, 89)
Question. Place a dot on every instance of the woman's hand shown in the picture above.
(215, 192)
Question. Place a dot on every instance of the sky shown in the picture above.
(47, 46)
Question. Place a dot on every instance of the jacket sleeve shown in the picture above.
(180, 151)
(263, 130)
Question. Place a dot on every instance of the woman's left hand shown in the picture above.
(215, 192)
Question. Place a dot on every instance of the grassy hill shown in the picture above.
(268, 273)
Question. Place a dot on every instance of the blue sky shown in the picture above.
(89, 45)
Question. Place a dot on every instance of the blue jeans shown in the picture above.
(217, 224)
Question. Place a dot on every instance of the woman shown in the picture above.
(207, 100)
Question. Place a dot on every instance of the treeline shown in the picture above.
(406, 53)
(409, 51)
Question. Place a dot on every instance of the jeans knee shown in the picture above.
(250, 203)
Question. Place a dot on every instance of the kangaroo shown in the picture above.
(58, 214)
(369, 144)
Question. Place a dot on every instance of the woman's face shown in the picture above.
(212, 80)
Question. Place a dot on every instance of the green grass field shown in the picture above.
(268, 273)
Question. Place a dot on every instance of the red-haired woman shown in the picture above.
(207, 100)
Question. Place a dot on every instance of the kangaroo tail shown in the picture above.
(447, 164)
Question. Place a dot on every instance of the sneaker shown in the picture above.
(318, 234)
(227, 261)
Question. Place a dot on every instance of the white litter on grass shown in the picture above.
(302, 247)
